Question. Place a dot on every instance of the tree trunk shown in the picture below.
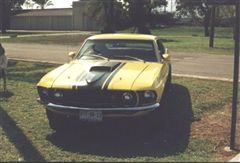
(140, 17)
(109, 24)
(206, 25)
(143, 30)
(207, 15)
(213, 17)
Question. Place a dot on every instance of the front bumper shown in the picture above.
(141, 108)
(107, 112)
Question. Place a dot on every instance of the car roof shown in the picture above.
(123, 36)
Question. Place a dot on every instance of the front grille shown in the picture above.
(92, 98)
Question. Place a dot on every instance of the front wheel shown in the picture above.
(57, 121)
(169, 80)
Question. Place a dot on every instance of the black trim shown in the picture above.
(112, 75)
(97, 75)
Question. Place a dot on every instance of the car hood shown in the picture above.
(103, 74)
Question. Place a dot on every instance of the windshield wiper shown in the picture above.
(127, 56)
(98, 56)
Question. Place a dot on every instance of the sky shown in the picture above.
(68, 4)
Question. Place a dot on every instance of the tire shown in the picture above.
(157, 118)
(169, 80)
(167, 86)
(58, 122)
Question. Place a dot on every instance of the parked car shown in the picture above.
(111, 76)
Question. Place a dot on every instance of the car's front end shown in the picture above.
(94, 87)
(109, 95)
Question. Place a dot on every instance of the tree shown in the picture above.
(140, 12)
(124, 13)
(43, 3)
(104, 12)
(197, 9)
(29, 4)
(225, 15)
(6, 9)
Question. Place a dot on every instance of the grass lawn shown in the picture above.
(177, 39)
(194, 125)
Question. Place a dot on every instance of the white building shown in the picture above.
(55, 19)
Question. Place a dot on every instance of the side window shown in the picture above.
(161, 47)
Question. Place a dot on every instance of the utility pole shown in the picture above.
(235, 78)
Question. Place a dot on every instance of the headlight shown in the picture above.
(129, 99)
(57, 94)
(149, 95)
(127, 96)
(43, 91)
(43, 94)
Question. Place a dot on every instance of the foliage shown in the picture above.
(198, 10)
(110, 14)
(115, 14)
(16, 4)
(43, 3)
(140, 12)
(165, 18)
(6, 7)
(225, 15)
(103, 12)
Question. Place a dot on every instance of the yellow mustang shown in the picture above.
(112, 75)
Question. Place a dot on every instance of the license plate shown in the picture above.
(90, 116)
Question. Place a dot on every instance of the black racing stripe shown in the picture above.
(84, 73)
(98, 84)
(112, 75)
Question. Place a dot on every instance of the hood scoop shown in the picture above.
(108, 67)
(97, 72)
(100, 69)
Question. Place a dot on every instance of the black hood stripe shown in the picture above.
(109, 79)
(83, 74)
(98, 78)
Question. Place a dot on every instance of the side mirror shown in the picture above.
(166, 51)
(166, 57)
(71, 55)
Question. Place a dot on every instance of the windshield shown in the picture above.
(118, 49)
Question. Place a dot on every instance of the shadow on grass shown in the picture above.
(164, 132)
(16, 136)
(5, 95)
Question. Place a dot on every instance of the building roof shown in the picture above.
(46, 12)
(123, 36)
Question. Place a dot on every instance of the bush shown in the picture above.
(159, 19)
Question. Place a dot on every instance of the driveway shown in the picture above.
(183, 64)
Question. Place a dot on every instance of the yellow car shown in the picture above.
(111, 76)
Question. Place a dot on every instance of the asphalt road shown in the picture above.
(183, 64)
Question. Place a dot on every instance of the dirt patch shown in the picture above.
(215, 126)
